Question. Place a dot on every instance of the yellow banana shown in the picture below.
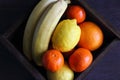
(31, 24)
(45, 28)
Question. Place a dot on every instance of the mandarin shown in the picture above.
(80, 59)
(53, 60)
(76, 12)
(91, 36)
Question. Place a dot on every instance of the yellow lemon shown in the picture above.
(66, 35)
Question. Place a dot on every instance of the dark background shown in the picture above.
(107, 69)
(10, 12)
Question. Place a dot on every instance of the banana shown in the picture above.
(31, 24)
(45, 28)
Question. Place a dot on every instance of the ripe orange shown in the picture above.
(91, 36)
(76, 12)
(53, 60)
(80, 59)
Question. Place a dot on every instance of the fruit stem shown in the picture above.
(68, 1)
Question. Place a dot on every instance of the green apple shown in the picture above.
(65, 73)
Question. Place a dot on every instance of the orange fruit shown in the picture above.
(91, 36)
(80, 59)
(53, 60)
(76, 12)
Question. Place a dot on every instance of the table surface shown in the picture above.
(108, 67)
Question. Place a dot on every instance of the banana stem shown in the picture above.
(68, 1)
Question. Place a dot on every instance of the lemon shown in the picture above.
(66, 35)
(65, 73)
